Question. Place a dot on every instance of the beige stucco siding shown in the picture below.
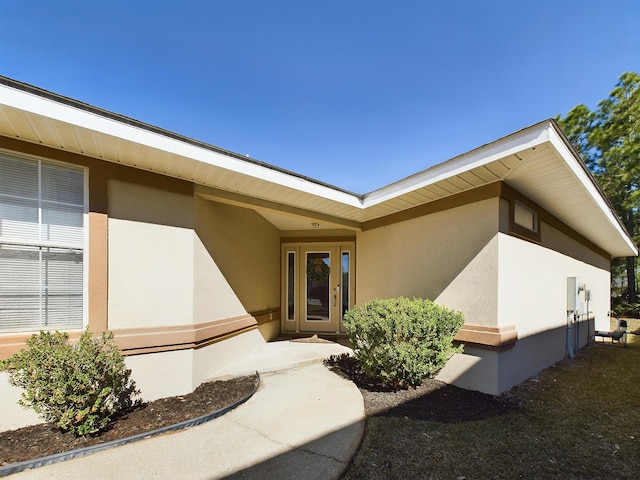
(149, 204)
(161, 273)
(12, 415)
(475, 369)
(465, 258)
(213, 358)
(150, 275)
(473, 290)
(533, 285)
(554, 239)
(150, 257)
(449, 257)
(246, 249)
(213, 298)
(533, 297)
(164, 374)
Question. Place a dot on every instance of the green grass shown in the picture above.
(576, 420)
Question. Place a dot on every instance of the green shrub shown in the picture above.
(401, 341)
(78, 386)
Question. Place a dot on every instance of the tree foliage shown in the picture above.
(608, 140)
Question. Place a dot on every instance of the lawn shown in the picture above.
(576, 420)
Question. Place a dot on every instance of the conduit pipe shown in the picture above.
(570, 316)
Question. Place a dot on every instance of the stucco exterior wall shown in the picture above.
(533, 286)
(161, 273)
(12, 415)
(150, 257)
(213, 297)
(449, 257)
(246, 249)
(465, 259)
(532, 295)
(165, 374)
(213, 358)
(150, 275)
(270, 330)
(475, 369)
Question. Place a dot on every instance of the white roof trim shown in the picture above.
(40, 103)
(68, 114)
(590, 187)
(476, 158)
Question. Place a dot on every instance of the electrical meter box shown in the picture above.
(572, 294)
(577, 295)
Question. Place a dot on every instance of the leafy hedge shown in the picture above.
(401, 341)
(77, 386)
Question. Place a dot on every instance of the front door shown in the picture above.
(320, 290)
(318, 286)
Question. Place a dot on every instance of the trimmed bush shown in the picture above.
(78, 386)
(401, 341)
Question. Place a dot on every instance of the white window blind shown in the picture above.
(41, 245)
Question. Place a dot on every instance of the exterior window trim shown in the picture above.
(532, 212)
(48, 244)
(520, 230)
(291, 287)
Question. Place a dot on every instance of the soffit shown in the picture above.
(563, 187)
(534, 161)
(438, 189)
(177, 159)
(40, 129)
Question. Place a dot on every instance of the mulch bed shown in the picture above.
(432, 400)
(45, 439)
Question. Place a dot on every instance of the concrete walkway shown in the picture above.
(304, 422)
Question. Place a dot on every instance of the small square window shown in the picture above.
(525, 217)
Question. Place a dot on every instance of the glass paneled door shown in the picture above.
(317, 285)
(320, 290)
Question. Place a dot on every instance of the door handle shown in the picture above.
(335, 294)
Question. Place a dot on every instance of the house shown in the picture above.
(194, 256)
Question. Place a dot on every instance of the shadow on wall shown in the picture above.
(429, 256)
(241, 243)
(246, 249)
(494, 372)
(155, 203)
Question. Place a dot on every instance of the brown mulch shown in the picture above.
(432, 400)
(45, 439)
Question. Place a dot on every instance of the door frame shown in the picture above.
(293, 285)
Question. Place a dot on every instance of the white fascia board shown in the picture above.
(37, 105)
(592, 190)
(514, 143)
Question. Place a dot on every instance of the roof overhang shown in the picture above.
(537, 161)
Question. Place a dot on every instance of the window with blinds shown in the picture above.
(41, 245)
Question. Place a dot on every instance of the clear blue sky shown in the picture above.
(354, 93)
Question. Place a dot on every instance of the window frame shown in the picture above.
(44, 244)
(521, 230)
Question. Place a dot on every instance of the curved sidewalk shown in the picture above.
(304, 422)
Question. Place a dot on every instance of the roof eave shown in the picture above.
(43, 104)
(561, 143)
(48, 104)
